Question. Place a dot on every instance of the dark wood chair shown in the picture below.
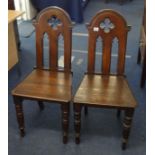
(104, 89)
(52, 84)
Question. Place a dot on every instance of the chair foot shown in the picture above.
(65, 139)
(77, 140)
(19, 115)
(65, 121)
(41, 105)
(127, 126)
(22, 133)
(123, 146)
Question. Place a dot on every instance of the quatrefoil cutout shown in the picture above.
(54, 22)
(107, 25)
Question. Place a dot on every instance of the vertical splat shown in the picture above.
(39, 48)
(54, 23)
(107, 25)
(53, 51)
(121, 54)
(67, 48)
(91, 53)
(106, 56)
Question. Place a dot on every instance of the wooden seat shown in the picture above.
(48, 83)
(98, 90)
(106, 89)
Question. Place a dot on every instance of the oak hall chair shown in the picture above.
(104, 89)
(52, 84)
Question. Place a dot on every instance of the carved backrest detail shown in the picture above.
(53, 21)
(107, 24)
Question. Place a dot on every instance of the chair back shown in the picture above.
(54, 22)
(107, 24)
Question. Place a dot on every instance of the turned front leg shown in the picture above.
(77, 122)
(127, 126)
(65, 121)
(19, 115)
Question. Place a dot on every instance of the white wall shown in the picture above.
(26, 6)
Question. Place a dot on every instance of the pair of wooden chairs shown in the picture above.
(53, 84)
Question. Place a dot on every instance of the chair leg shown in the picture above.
(143, 74)
(41, 105)
(19, 115)
(127, 126)
(65, 121)
(77, 122)
(118, 113)
(86, 110)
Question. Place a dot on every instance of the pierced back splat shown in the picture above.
(53, 21)
(107, 24)
(105, 90)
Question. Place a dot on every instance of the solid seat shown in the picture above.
(106, 88)
(46, 85)
(49, 82)
(109, 91)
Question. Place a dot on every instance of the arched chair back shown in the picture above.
(105, 89)
(54, 22)
(107, 24)
(52, 84)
